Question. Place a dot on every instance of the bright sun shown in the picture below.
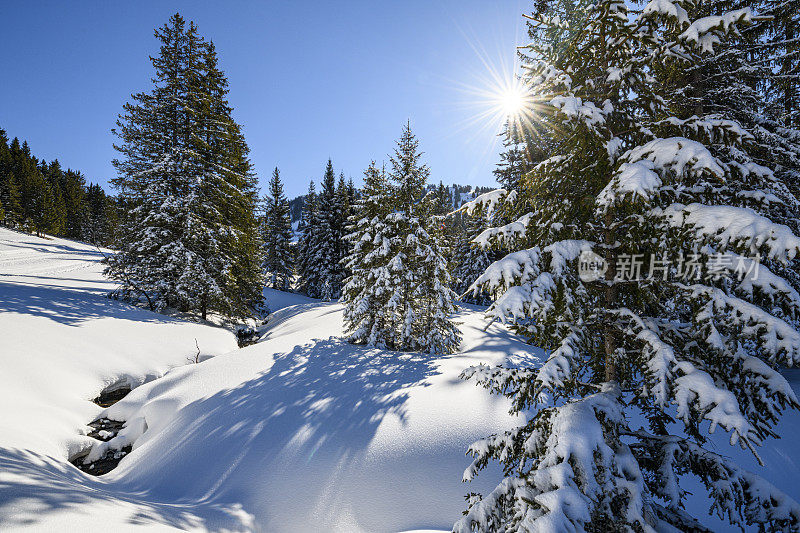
(512, 100)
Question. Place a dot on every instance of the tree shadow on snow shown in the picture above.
(68, 306)
(329, 389)
(314, 410)
(52, 247)
(33, 485)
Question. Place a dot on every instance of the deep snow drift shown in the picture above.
(300, 432)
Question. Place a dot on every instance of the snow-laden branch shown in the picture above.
(776, 338)
(691, 389)
(562, 252)
(715, 127)
(513, 269)
(744, 498)
(504, 234)
(753, 275)
(576, 108)
(578, 471)
(527, 288)
(557, 370)
(659, 355)
(640, 173)
(488, 200)
(666, 8)
(734, 225)
(705, 32)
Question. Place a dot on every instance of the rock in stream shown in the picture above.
(104, 429)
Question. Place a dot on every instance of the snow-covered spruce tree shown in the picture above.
(308, 266)
(363, 298)
(470, 260)
(329, 237)
(639, 370)
(190, 240)
(407, 275)
(344, 207)
(277, 236)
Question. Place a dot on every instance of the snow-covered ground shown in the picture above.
(300, 432)
(61, 343)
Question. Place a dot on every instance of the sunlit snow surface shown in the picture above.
(301, 432)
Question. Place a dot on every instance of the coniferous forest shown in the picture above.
(41, 197)
(605, 339)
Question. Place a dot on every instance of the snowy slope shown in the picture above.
(301, 432)
(309, 433)
(61, 343)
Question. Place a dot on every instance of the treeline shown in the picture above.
(458, 194)
(41, 197)
(317, 263)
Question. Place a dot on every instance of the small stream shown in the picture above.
(104, 429)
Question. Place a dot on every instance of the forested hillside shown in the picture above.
(42, 197)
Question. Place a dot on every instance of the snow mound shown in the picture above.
(300, 432)
(310, 433)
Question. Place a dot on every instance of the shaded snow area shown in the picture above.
(61, 343)
(300, 432)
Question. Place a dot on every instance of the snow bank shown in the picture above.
(61, 343)
(310, 433)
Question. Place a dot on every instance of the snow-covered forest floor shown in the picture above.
(299, 432)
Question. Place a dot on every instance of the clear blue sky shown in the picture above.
(309, 80)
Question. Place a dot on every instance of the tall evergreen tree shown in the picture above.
(42, 205)
(98, 228)
(640, 365)
(73, 193)
(329, 239)
(344, 204)
(58, 216)
(277, 236)
(308, 257)
(191, 238)
(364, 305)
(10, 196)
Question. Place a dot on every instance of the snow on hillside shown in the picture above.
(300, 432)
(310, 433)
(61, 343)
